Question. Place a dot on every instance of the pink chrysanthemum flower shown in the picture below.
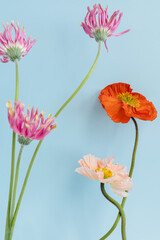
(13, 48)
(98, 25)
(105, 172)
(30, 126)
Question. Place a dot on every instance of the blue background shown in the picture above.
(58, 203)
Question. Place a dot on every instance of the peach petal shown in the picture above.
(91, 161)
(104, 162)
(87, 172)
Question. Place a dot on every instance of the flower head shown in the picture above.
(13, 48)
(105, 172)
(31, 125)
(121, 103)
(98, 25)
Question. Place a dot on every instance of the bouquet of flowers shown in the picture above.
(118, 100)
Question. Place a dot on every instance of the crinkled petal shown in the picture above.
(104, 162)
(120, 187)
(121, 103)
(91, 161)
(87, 172)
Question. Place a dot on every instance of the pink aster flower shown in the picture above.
(98, 25)
(105, 172)
(29, 126)
(13, 48)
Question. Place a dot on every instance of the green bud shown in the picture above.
(24, 141)
(100, 35)
(14, 53)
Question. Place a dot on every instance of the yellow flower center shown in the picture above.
(129, 99)
(107, 172)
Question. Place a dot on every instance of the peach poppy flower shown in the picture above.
(121, 103)
(104, 171)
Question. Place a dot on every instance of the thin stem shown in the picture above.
(7, 231)
(123, 226)
(17, 81)
(16, 181)
(7, 228)
(130, 175)
(38, 146)
(135, 149)
(82, 83)
(23, 188)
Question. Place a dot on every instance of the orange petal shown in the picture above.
(113, 107)
(146, 110)
(113, 90)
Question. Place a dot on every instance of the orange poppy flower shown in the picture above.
(121, 103)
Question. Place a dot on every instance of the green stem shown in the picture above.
(16, 181)
(135, 149)
(34, 155)
(7, 228)
(7, 231)
(130, 175)
(82, 83)
(23, 189)
(123, 226)
(17, 81)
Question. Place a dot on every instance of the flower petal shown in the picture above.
(89, 161)
(87, 172)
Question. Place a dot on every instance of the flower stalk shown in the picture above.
(16, 181)
(121, 212)
(130, 175)
(17, 81)
(7, 228)
(10, 222)
(23, 189)
(82, 83)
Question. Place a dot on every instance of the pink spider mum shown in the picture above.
(30, 126)
(97, 24)
(105, 172)
(14, 49)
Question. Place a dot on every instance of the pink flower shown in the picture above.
(30, 126)
(105, 172)
(14, 49)
(97, 24)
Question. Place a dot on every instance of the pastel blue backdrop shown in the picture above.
(58, 203)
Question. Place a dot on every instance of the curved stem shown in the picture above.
(38, 146)
(82, 83)
(123, 226)
(7, 228)
(16, 181)
(134, 150)
(130, 175)
(58, 112)
(23, 189)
